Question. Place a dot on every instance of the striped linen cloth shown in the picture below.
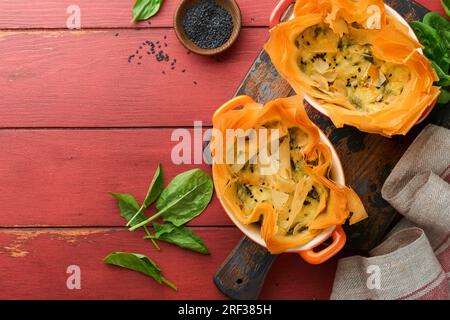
(413, 262)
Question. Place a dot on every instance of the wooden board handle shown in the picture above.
(242, 274)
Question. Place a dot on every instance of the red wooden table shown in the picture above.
(79, 120)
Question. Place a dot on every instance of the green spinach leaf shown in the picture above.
(435, 47)
(444, 78)
(446, 5)
(153, 192)
(436, 21)
(139, 263)
(186, 196)
(440, 24)
(181, 236)
(444, 98)
(144, 9)
(129, 207)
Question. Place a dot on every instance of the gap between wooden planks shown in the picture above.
(83, 78)
(109, 13)
(34, 263)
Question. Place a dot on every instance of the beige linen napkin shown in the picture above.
(414, 260)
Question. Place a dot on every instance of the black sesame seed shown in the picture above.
(208, 24)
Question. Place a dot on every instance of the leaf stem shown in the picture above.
(170, 284)
(152, 238)
(143, 223)
(135, 215)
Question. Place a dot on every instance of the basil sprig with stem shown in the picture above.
(186, 196)
(140, 263)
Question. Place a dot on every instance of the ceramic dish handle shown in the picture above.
(278, 11)
(230, 105)
(319, 257)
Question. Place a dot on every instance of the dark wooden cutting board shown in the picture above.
(367, 160)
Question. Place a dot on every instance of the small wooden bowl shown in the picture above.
(230, 5)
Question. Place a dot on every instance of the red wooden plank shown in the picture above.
(433, 5)
(83, 78)
(34, 264)
(108, 13)
(61, 177)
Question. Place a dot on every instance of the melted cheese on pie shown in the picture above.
(342, 67)
(296, 197)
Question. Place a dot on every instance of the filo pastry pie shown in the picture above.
(357, 62)
(298, 200)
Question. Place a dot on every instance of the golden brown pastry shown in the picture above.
(297, 201)
(357, 62)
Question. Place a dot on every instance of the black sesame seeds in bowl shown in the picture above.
(207, 27)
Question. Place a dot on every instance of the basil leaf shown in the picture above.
(446, 5)
(153, 192)
(181, 236)
(444, 98)
(186, 196)
(128, 207)
(140, 263)
(144, 9)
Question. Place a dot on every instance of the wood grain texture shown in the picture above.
(242, 274)
(62, 177)
(108, 13)
(84, 79)
(34, 263)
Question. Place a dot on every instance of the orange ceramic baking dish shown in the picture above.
(392, 88)
(264, 222)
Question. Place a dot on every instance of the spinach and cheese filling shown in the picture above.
(295, 196)
(344, 67)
